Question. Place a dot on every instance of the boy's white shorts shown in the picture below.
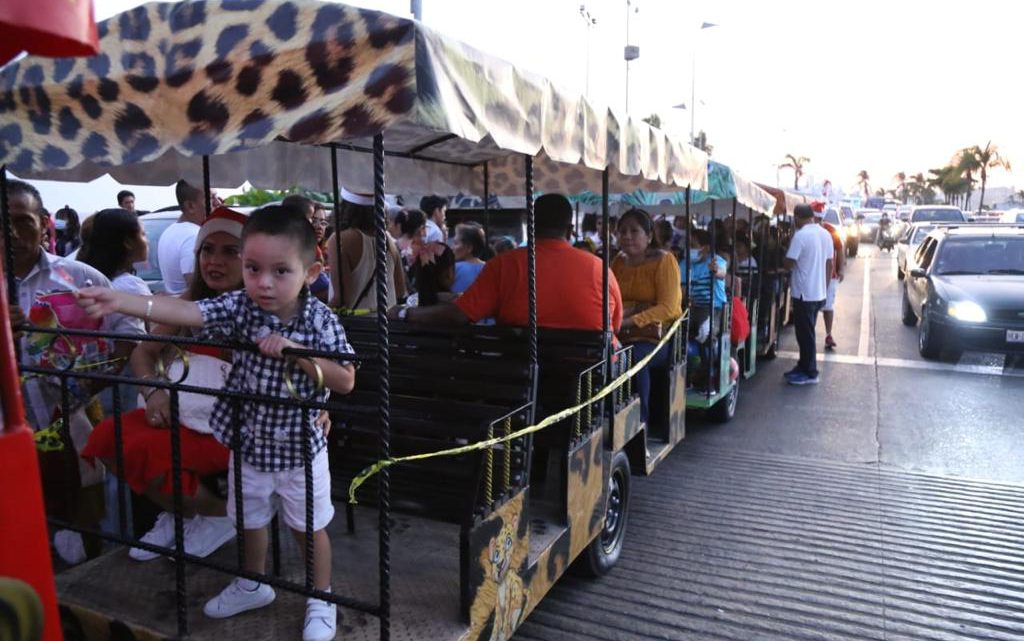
(260, 488)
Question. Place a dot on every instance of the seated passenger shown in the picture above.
(73, 493)
(469, 244)
(569, 289)
(707, 280)
(147, 444)
(649, 281)
(433, 273)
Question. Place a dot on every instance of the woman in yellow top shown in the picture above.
(651, 296)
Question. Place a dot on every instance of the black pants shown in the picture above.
(805, 317)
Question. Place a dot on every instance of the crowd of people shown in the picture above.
(279, 278)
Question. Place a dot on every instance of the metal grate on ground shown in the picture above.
(743, 546)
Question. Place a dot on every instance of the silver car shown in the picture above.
(907, 245)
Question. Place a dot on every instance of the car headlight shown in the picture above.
(852, 231)
(968, 311)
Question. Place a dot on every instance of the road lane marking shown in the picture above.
(865, 313)
(904, 363)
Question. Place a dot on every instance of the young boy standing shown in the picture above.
(276, 312)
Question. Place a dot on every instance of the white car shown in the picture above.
(153, 224)
(907, 245)
(937, 214)
(1012, 216)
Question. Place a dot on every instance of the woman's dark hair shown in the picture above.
(472, 236)
(662, 235)
(356, 217)
(105, 247)
(641, 218)
(410, 221)
(428, 275)
(199, 290)
(71, 216)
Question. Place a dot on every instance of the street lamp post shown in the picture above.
(693, 82)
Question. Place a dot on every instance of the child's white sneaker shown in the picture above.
(239, 597)
(321, 621)
(162, 534)
(205, 534)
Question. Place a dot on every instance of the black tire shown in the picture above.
(929, 341)
(899, 273)
(909, 317)
(603, 552)
(724, 410)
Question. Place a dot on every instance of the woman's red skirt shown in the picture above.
(147, 453)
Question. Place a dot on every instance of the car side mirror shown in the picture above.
(917, 272)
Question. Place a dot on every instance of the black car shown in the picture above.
(967, 289)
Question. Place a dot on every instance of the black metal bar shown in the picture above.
(430, 143)
(180, 591)
(402, 154)
(487, 197)
(384, 382)
(186, 341)
(122, 502)
(275, 545)
(689, 266)
(236, 468)
(606, 315)
(732, 256)
(12, 282)
(750, 254)
(217, 566)
(207, 191)
(531, 262)
(712, 334)
(307, 464)
(336, 277)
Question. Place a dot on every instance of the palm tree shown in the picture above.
(901, 186)
(967, 163)
(653, 120)
(863, 182)
(796, 163)
(988, 158)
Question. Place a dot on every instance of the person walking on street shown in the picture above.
(828, 311)
(809, 259)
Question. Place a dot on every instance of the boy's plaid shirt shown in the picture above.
(272, 434)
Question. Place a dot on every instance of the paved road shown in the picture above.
(885, 503)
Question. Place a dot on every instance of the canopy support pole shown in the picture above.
(384, 387)
(487, 197)
(336, 277)
(531, 262)
(12, 283)
(689, 266)
(732, 262)
(712, 334)
(207, 191)
(750, 247)
(606, 318)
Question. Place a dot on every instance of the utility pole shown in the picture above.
(590, 21)
(416, 9)
(693, 80)
(630, 52)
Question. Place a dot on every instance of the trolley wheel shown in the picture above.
(603, 552)
(725, 409)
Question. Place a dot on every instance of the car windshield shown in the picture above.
(872, 218)
(832, 217)
(939, 215)
(919, 234)
(989, 255)
(149, 270)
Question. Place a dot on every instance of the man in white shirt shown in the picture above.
(809, 261)
(176, 252)
(434, 208)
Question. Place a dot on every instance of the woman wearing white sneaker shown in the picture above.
(147, 449)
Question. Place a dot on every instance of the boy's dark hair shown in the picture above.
(124, 193)
(281, 220)
(701, 236)
(410, 221)
(429, 203)
(184, 192)
(22, 188)
(300, 202)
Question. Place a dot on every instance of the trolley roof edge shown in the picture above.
(176, 82)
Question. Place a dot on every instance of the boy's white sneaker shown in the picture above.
(162, 534)
(321, 621)
(205, 534)
(235, 599)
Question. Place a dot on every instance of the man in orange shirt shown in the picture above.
(568, 283)
(828, 311)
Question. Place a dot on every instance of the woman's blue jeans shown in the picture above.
(643, 377)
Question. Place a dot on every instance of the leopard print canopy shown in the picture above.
(240, 78)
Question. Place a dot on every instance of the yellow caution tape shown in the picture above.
(363, 476)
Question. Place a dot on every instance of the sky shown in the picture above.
(884, 86)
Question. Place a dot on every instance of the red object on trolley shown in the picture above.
(54, 28)
(24, 543)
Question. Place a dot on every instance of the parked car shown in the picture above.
(153, 225)
(937, 214)
(1012, 216)
(833, 216)
(903, 212)
(967, 290)
(908, 244)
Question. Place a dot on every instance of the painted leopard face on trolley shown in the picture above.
(209, 77)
